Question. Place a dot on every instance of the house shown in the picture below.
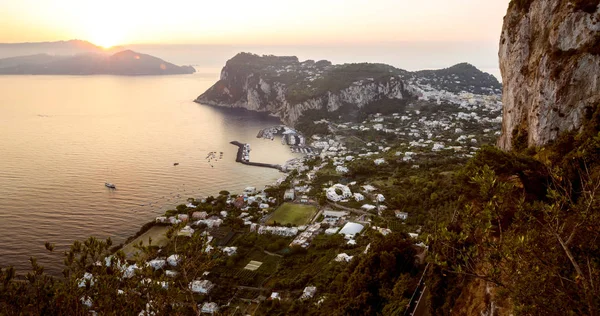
(173, 260)
(201, 286)
(379, 161)
(308, 292)
(289, 194)
(209, 308)
(274, 296)
(230, 251)
(239, 202)
(186, 231)
(334, 214)
(304, 199)
(199, 215)
(368, 207)
(263, 206)
(331, 231)
(250, 190)
(342, 169)
(343, 257)
(156, 264)
(401, 215)
(368, 188)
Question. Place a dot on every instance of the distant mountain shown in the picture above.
(460, 77)
(288, 88)
(66, 48)
(127, 63)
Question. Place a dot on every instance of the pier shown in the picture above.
(240, 158)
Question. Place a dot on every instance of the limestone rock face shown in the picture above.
(550, 64)
(287, 88)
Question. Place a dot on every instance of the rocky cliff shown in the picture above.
(286, 87)
(550, 63)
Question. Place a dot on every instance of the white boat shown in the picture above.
(110, 185)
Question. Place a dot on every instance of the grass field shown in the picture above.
(295, 214)
(157, 233)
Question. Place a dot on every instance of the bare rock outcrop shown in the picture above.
(550, 64)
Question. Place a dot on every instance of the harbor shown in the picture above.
(289, 137)
(243, 157)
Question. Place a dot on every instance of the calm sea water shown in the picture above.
(62, 137)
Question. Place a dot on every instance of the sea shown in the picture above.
(63, 137)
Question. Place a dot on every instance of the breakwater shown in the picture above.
(240, 158)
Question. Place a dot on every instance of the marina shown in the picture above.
(243, 157)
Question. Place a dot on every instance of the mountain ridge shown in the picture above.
(126, 62)
(286, 87)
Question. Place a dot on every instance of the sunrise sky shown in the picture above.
(263, 22)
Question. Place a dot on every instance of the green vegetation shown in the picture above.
(294, 214)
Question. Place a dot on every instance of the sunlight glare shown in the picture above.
(105, 35)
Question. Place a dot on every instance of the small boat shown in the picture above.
(176, 164)
(110, 185)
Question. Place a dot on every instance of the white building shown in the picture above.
(333, 195)
(289, 194)
(277, 230)
(401, 215)
(186, 231)
(201, 286)
(343, 257)
(379, 161)
(230, 251)
(173, 260)
(341, 169)
(157, 264)
(309, 292)
(209, 308)
(350, 230)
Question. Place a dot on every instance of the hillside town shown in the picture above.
(320, 199)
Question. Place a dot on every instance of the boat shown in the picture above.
(176, 164)
(109, 185)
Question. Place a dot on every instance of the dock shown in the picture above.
(240, 155)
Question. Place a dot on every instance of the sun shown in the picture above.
(106, 36)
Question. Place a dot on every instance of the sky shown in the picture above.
(252, 22)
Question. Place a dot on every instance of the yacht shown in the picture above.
(110, 185)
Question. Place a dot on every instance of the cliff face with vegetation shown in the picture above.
(550, 63)
(288, 88)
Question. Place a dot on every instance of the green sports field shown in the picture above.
(295, 214)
